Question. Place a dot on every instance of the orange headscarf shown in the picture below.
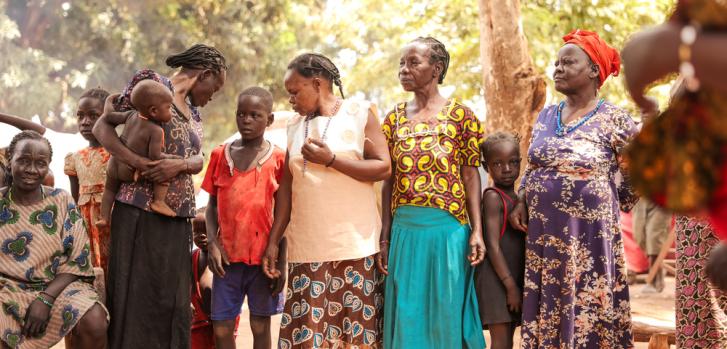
(602, 55)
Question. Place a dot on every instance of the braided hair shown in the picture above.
(316, 64)
(97, 93)
(199, 56)
(496, 138)
(27, 134)
(438, 53)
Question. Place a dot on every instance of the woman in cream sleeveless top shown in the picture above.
(326, 209)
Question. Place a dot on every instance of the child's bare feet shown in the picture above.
(162, 208)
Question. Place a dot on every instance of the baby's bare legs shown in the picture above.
(158, 204)
(109, 194)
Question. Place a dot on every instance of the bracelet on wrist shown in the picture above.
(384, 242)
(48, 295)
(332, 160)
(44, 301)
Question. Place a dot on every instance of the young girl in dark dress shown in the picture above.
(499, 279)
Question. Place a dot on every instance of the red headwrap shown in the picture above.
(602, 55)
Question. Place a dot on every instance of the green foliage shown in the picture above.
(81, 44)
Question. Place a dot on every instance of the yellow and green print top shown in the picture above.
(427, 157)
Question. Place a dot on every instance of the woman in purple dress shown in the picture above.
(575, 292)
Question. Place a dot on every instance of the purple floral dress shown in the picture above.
(575, 293)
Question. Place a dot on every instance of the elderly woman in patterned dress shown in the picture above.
(431, 233)
(46, 276)
(575, 292)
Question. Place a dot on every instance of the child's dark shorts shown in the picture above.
(241, 281)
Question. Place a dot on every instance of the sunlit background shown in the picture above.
(53, 50)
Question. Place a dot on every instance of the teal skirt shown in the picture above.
(430, 299)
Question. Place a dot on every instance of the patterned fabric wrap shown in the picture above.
(38, 242)
(701, 320)
(333, 305)
(89, 165)
(576, 294)
(182, 137)
(428, 157)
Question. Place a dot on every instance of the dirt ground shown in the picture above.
(655, 308)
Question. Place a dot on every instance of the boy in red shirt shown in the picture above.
(242, 179)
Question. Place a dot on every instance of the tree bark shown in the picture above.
(37, 19)
(514, 90)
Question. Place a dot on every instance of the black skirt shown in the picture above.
(149, 280)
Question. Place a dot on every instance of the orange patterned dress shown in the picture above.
(89, 165)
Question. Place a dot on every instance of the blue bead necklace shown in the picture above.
(561, 130)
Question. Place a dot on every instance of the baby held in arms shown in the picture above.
(143, 134)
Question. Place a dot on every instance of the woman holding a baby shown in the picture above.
(149, 280)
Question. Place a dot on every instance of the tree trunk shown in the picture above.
(514, 90)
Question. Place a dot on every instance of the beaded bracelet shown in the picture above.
(47, 295)
(688, 36)
(385, 242)
(44, 301)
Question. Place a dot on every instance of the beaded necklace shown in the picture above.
(561, 130)
(325, 129)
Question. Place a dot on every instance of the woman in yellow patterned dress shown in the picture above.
(431, 211)
(45, 274)
(86, 170)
